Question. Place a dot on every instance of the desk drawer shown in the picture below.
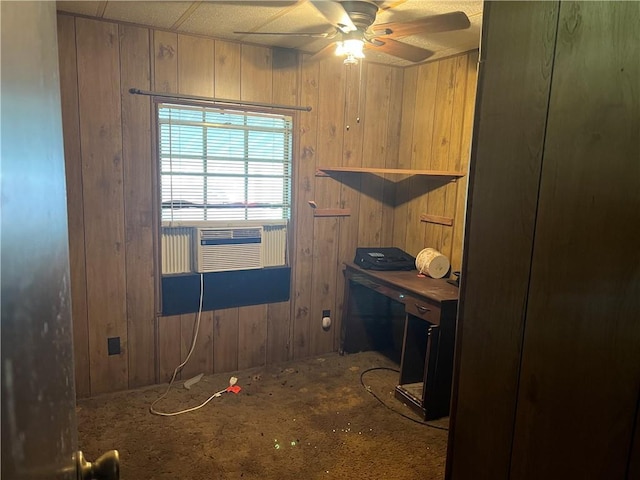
(422, 309)
(390, 292)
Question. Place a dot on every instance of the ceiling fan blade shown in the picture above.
(401, 50)
(336, 14)
(433, 24)
(292, 34)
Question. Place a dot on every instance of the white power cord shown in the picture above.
(232, 381)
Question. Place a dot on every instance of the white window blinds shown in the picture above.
(220, 164)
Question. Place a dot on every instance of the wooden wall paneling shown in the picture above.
(349, 190)
(227, 70)
(165, 79)
(278, 332)
(504, 175)
(169, 355)
(462, 163)
(187, 330)
(195, 66)
(582, 335)
(285, 70)
(225, 340)
(196, 77)
(304, 191)
(255, 85)
(456, 147)
(256, 74)
(421, 155)
(440, 146)
(139, 208)
(469, 111)
(155, 195)
(633, 469)
(225, 323)
(101, 143)
(400, 219)
(75, 211)
(374, 145)
(391, 151)
(286, 65)
(165, 61)
(201, 360)
(252, 336)
(331, 86)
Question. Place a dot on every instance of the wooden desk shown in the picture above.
(428, 309)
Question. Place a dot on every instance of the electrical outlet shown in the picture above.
(113, 346)
(326, 320)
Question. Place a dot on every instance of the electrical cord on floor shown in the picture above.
(179, 367)
(368, 389)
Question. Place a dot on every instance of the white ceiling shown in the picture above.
(219, 19)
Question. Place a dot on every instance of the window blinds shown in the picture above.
(220, 164)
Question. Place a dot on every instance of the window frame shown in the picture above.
(292, 118)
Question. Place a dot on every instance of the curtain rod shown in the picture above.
(137, 91)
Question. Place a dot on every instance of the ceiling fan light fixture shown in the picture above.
(351, 49)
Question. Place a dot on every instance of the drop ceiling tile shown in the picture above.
(82, 8)
(221, 19)
(302, 19)
(157, 14)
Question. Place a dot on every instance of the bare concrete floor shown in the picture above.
(310, 419)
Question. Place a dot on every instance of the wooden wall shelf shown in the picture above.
(332, 212)
(326, 171)
(436, 219)
(329, 212)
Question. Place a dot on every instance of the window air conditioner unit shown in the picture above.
(228, 248)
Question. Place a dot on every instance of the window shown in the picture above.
(222, 164)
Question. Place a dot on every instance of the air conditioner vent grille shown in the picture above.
(230, 233)
(226, 249)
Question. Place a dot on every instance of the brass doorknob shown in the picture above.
(107, 467)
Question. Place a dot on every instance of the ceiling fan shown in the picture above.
(354, 27)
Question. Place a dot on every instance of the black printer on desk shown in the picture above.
(384, 258)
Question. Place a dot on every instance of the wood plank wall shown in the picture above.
(517, 131)
(109, 145)
(436, 135)
(548, 344)
(588, 357)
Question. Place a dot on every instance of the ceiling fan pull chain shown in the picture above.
(347, 96)
(359, 90)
